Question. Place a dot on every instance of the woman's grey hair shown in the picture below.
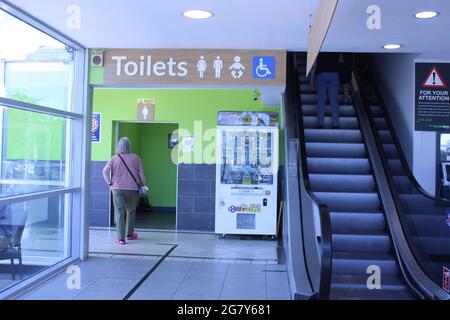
(124, 146)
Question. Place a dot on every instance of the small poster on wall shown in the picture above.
(188, 144)
(96, 127)
(173, 140)
(432, 112)
(146, 110)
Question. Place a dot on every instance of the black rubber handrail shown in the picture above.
(418, 254)
(324, 212)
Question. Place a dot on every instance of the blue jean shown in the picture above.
(327, 82)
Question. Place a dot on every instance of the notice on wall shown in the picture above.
(432, 102)
(96, 127)
(146, 110)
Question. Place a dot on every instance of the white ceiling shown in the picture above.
(248, 24)
(236, 24)
(349, 32)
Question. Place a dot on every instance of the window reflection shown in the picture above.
(37, 69)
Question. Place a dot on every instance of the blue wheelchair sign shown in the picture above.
(264, 67)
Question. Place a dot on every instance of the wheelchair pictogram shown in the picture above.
(263, 67)
(262, 70)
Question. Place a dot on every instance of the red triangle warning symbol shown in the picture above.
(434, 79)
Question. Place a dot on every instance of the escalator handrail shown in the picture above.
(324, 212)
(399, 149)
(393, 189)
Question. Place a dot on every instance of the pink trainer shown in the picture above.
(133, 236)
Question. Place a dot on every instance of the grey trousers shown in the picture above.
(125, 202)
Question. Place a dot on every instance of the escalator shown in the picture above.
(361, 203)
(341, 176)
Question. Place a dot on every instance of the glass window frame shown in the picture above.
(77, 159)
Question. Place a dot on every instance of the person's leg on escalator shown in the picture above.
(321, 85)
(333, 91)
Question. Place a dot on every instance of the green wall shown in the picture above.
(133, 132)
(160, 171)
(150, 143)
(183, 106)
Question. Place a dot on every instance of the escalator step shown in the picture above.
(403, 185)
(340, 201)
(351, 293)
(368, 241)
(391, 151)
(418, 204)
(344, 110)
(311, 122)
(428, 225)
(376, 111)
(333, 135)
(339, 166)
(358, 221)
(336, 150)
(380, 123)
(341, 183)
(311, 98)
(306, 88)
(396, 167)
(358, 262)
(360, 282)
(385, 136)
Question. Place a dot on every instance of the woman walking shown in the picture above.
(123, 173)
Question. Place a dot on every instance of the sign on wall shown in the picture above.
(195, 66)
(146, 110)
(96, 127)
(432, 102)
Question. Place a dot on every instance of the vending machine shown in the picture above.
(247, 173)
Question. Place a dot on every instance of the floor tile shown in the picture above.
(112, 284)
(246, 269)
(102, 295)
(145, 295)
(161, 285)
(195, 297)
(51, 294)
(208, 267)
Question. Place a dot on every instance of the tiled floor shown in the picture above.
(113, 278)
(202, 267)
(197, 245)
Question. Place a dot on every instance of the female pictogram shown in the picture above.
(202, 66)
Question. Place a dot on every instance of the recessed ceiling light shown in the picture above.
(197, 14)
(392, 46)
(426, 14)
